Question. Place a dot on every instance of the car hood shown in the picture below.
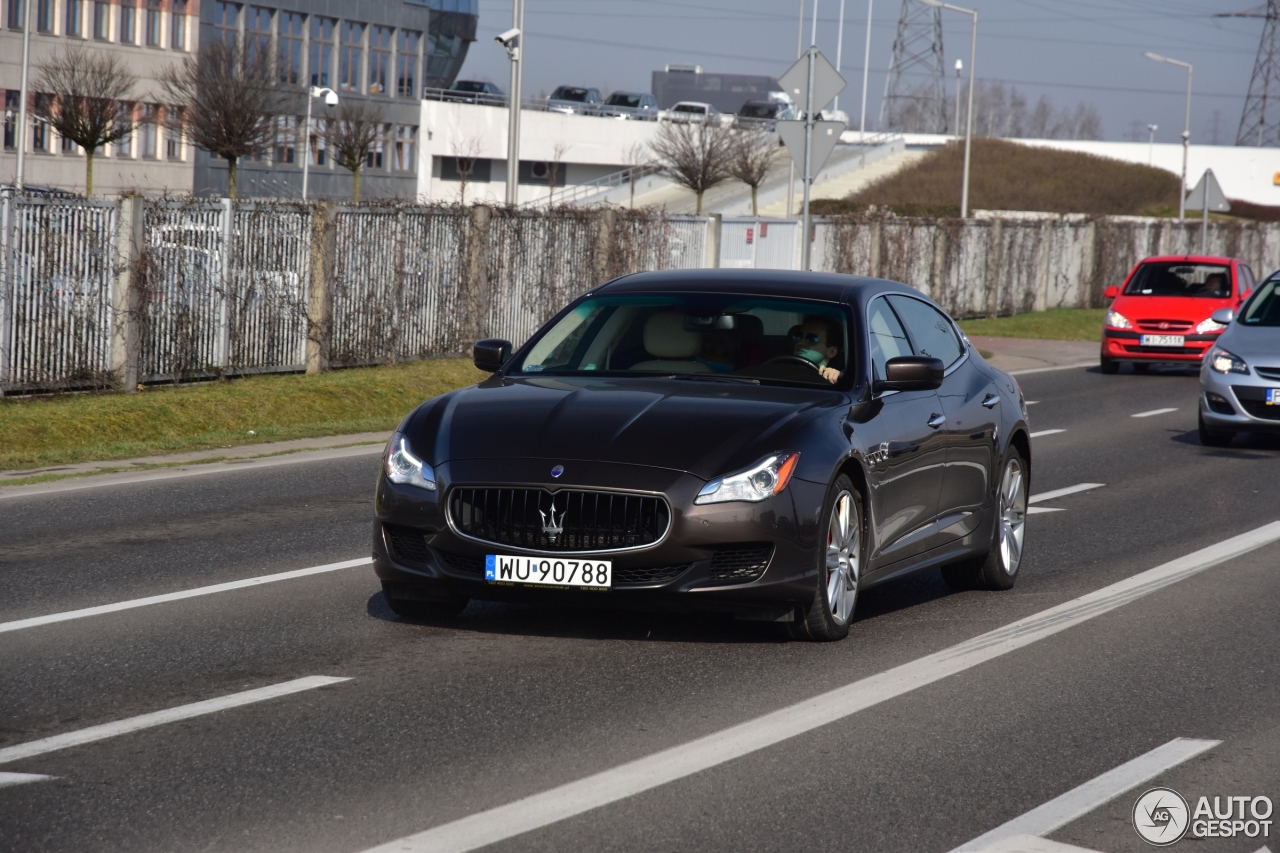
(1256, 345)
(703, 428)
(1189, 308)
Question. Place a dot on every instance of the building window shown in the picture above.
(40, 129)
(317, 143)
(128, 19)
(69, 147)
(178, 25)
(286, 140)
(102, 20)
(226, 23)
(379, 60)
(173, 134)
(351, 57)
(44, 16)
(258, 33)
(16, 14)
(153, 23)
(291, 47)
(377, 157)
(75, 18)
(407, 64)
(10, 119)
(406, 149)
(124, 145)
(320, 58)
(147, 132)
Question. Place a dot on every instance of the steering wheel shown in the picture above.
(793, 359)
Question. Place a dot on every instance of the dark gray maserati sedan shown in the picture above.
(759, 442)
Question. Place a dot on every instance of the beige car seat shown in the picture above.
(672, 346)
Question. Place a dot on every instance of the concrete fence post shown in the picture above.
(873, 248)
(128, 284)
(476, 286)
(222, 343)
(320, 287)
(995, 257)
(715, 224)
(8, 281)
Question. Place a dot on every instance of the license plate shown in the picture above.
(1162, 341)
(548, 571)
(1273, 396)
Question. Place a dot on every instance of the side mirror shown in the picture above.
(1223, 316)
(491, 353)
(911, 373)
(1111, 292)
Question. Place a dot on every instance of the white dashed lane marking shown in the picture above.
(1046, 432)
(1153, 412)
(8, 779)
(1062, 493)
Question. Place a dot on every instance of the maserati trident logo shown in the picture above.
(552, 527)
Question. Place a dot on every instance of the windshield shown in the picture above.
(757, 111)
(619, 100)
(569, 93)
(761, 339)
(689, 108)
(1211, 281)
(1264, 308)
(468, 86)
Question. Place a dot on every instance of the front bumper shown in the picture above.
(1234, 401)
(1123, 345)
(684, 571)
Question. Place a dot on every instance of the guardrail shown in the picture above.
(580, 192)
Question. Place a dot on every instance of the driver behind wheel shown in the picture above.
(817, 340)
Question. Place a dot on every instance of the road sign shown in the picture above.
(1217, 199)
(825, 136)
(827, 82)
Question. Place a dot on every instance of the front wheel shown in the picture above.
(839, 568)
(999, 568)
(1109, 365)
(1212, 437)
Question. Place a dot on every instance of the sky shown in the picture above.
(1071, 51)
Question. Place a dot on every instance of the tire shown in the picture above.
(840, 566)
(409, 603)
(1141, 367)
(998, 568)
(1109, 365)
(1212, 437)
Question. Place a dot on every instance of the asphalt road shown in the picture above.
(436, 723)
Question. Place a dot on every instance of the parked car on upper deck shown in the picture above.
(582, 100)
(474, 92)
(692, 111)
(764, 113)
(639, 105)
(1162, 313)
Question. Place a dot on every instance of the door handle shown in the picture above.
(991, 400)
(937, 421)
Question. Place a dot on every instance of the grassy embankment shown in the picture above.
(1056, 324)
(68, 428)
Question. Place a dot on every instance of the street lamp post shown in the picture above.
(1151, 143)
(513, 41)
(959, 68)
(21, 177)
(968, 132)
(330, 100)
(1186, 133)
(866, 67)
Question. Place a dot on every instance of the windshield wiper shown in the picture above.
(713, 377)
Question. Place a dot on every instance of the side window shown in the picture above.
(930, 330)
(886, 336)
(1246, 280)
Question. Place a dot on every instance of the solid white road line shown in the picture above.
(1076, 366)
(19, 624)
(1036, 510)
(1032, 402)
(7, 779)
(159, 718)
(95, 481)
(1061, 493)
(627, 780)
(1032, 844)
(1081, 800)
(1153, 412)
(1046, 432)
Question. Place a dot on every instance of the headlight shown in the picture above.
(1226, 362)
(762, 480)
(1117, 320)
(402, 466)
(1210, 325)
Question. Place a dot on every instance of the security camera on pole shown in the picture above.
(330, 100)
(512, 40)
(814, 82)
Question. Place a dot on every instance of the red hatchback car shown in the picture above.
(1161, 313)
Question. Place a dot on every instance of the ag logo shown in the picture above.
(1161, 816)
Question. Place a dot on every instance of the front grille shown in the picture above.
(1268, 372)
(740, 562)
(407, 544)
(462, 564)
(659, 574)
(1165, 350)
(1172, 327)
(564, 522)
(1259, 409)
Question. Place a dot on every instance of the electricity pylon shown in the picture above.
(1260, 121)
(915, 91)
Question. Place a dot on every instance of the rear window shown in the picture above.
(468, 86)
(1210, 281)
(616, 100)
(1264, 308)
(688, 108)
(569, 93)
(757, 111)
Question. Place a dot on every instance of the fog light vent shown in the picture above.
(1219, 404)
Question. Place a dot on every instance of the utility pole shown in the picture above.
(917, 80)
(791, 169)
(1260, 120)
(866, 69)
(513, 41)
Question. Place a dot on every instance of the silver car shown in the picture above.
(1240, 375)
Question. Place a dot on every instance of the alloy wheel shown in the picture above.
(844, 549)
(1013, 515)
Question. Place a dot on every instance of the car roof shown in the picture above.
(832, 287)
(1189, 259)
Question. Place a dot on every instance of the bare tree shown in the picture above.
(751, 155)
(634, 158)
(555, 170)
(694, 154)
(86, 103)
(229, 101)
(465, 153)
(350, 136)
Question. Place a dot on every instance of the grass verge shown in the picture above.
(71, 428)
(1056, 324)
